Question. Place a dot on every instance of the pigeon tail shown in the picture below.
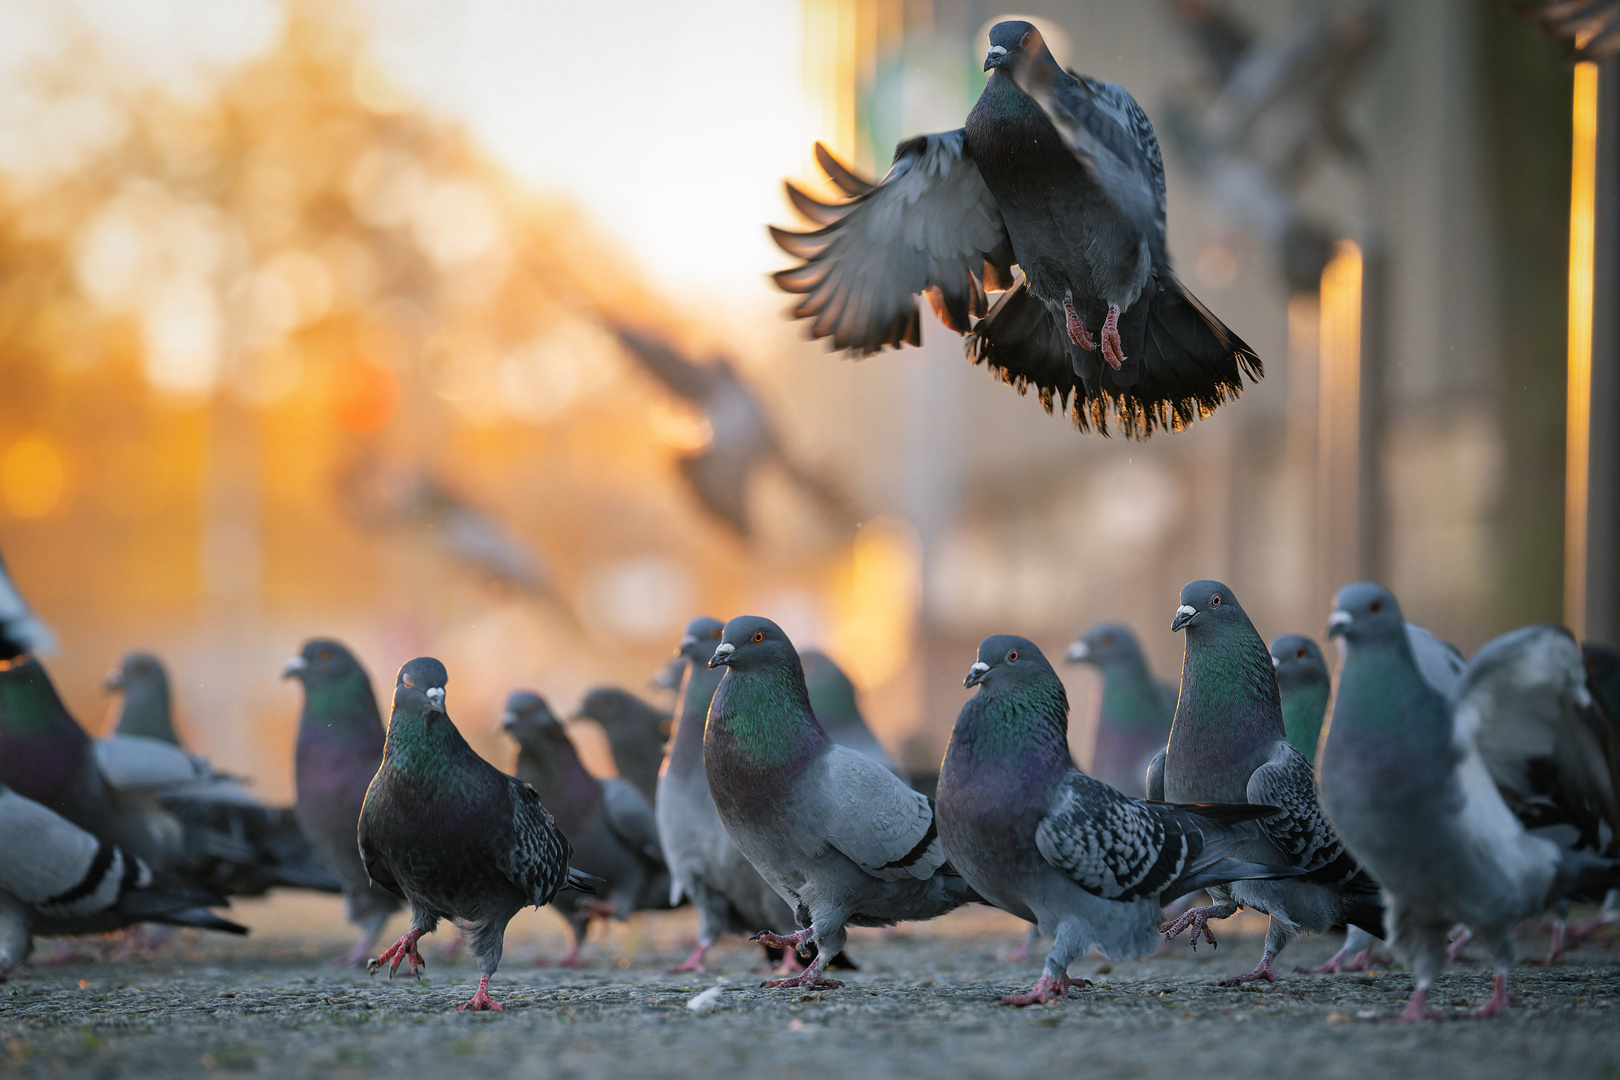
(1585, 877)
(580, 881)
(1229, 869)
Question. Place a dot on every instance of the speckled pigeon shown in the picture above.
(1133, 722)
(609, 822)
(340, 745)
(446, 830)
(1096, 314)
(1040, 839)
(832, 699)
(1228, 744)
(1434, 794)
(636, 732)
(840, 838)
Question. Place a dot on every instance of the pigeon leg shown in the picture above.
(810, 978)
(1076, 328)
(1198, 919)
(1417, 1009)
(1454, 951)
(355, 956)
(694, 962)
(1499, 999)
(1555, 951)
(481, 1000)
(403, 949)
(797, 942)
(1365, 960)
(1334, 965)
(1047, 988)
(1113, 349)
(1020, 954)
(1262, 970)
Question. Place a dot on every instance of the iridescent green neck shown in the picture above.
(1229, 683)
(427, 750)
(1303, 709)
(764, 715)
(1010, 722)
(1130, 697)
(30, 705)
(344, 703)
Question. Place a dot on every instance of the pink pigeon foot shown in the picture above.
(1018, 955)
(1454, 951)
(1046, 989)
(1336, 963)
(1076, 328)
(1498, 1002)
(1262, 970)
(481, 1000)
(355, 957)
(1555, 951)
(1113, 349)
(1417, 1008)
(570, 959)
(403, 949)
(693, 963)
(1581, 931)
(1198, 919)
(787, 942)
(453, 948)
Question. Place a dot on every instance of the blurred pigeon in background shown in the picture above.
(742, 437)
(21, 631)
(1096, 313)
(840, 838)
(1228, 745)
(446, 830)
(1040, 839)
(636, 732)
(1594, 25)
(1133, 722)
(609, 822)
(145, 705)
(1304, 685)
(832, 699)
(1434, 794)
(340, 746)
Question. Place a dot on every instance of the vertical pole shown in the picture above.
(1578, 415)
(1338, 483)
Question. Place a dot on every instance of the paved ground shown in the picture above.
(924, 1004)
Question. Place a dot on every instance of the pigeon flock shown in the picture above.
(1419, 802)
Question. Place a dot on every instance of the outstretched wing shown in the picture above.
(1300, 831)
(870, 815)
(931, 226)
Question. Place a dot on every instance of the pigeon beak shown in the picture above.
(995, 56)
(976, 674)
(686, 643)
(1184, 615)
(1338, 623)
(1275, 663)
(435, 696)
(114, 681)
(722, 654)
(292, 667)
(1078, 653)
(509, 720)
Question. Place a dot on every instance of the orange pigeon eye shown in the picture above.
(324, 655)
(407, 680)
(759, 635)
(1012, 656)
(1300, 654)
(1215, 601)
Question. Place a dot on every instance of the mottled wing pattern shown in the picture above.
(1109, 844)
(870, 815)
(536, 860)
(1301, 831)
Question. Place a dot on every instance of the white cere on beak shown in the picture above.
(725, 648)
(291, 667)
(1276, 663)
(979, 668)
(997, 50)
(1187, 610)
(1339, 618)
(435, 694)
(1079, 651)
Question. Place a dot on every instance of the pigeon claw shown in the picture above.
(403, 949)
(809, 980)
(481, 1000)
(1198, 919)
(1113, 349)
(1454, 951)
(1077, 328)
(1555, 951)
(693, 963)
(799, 942)
(1498, 1002)
(1046, 988)
(1262, 970)
(1417, 1008)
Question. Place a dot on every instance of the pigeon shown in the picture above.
(1603, 676)
(1134, 720)
(1228, 745)
(1060, 174)
(1594, 25)
(1040, 839)
(21, 631)
(456, 837)
(340, 745)
(58, 880)
(609, 822)
(146, 709)
(832, 699)
(1304, 685)
(1433, 794)
(635, 731)
(840, 838)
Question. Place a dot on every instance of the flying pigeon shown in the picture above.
(1229, 745)
(446, 830)
(840, 838)
(1304, 685)
(1134, 720)
(832, 699)
(145, 706)
(58, 880)
(340, 745)
(1040, 839)
(1434, 794)
(609, 822)
(636, 732)
(1060, 174)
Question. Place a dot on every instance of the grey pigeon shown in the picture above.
(609, 822)
(1133, 722)
(58, 880)
(1304, 685)
(636, 732)
(1096, 314)
(1040, 839)
(1228, 745)
(840, 838)
(832, 699)
(446, 830)
(1433, 794)
(340, 745)
(146, 708)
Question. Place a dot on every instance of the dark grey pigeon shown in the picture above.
(446, 830)
(58, 880)
(609, 822)
(1304, 685)
(1435, 794)
(840, 838)
(340, 745)
(636, 732)
(832, 699)
(1096, 314)
(146, 707)
(1133, 722)
(1228, 745)
(1040, 839)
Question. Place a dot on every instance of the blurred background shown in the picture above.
(310, 312)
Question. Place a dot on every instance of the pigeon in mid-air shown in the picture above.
(832, 699)
(1304, 685)
(145, 704)
(58, 880)
(609, 822)
(840, 838)
(1134, 720)
(1061, 175)
(636, 733)
(456, 837)
(1482, 809)
(340, 745)
(1040, 839)
(1228, 745)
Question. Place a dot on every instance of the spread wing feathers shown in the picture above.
(1439, 662)
(20, 629)
(1300, 831)
(694, 382)
(1525, 704)
(870, 815)
(1593, 24)
(536, 857)
(931, 226)
(630, 818)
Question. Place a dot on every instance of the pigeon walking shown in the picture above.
(340, 746)
(1060, 174)
(1041, 840)
(146, 708)
(840, 838)
(1228, 745)
(1133, 723)
(446, 830)
(636, 732)
(832, 699)
(609, 822)
(1433, 794)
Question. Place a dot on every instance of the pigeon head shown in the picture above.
(420, 687)
(1206, 606)
(1103, 645)
(529, 720)
(144, 683)
(1298, 661)
(702, 636)
(831, 691)
(1007, 659)
(750, 642)
(136, 672)
(1365, 612)
(1015, 39)
(319, 663)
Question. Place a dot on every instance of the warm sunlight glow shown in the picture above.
(31, 478)
(1339, 414)
(1582, 229)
